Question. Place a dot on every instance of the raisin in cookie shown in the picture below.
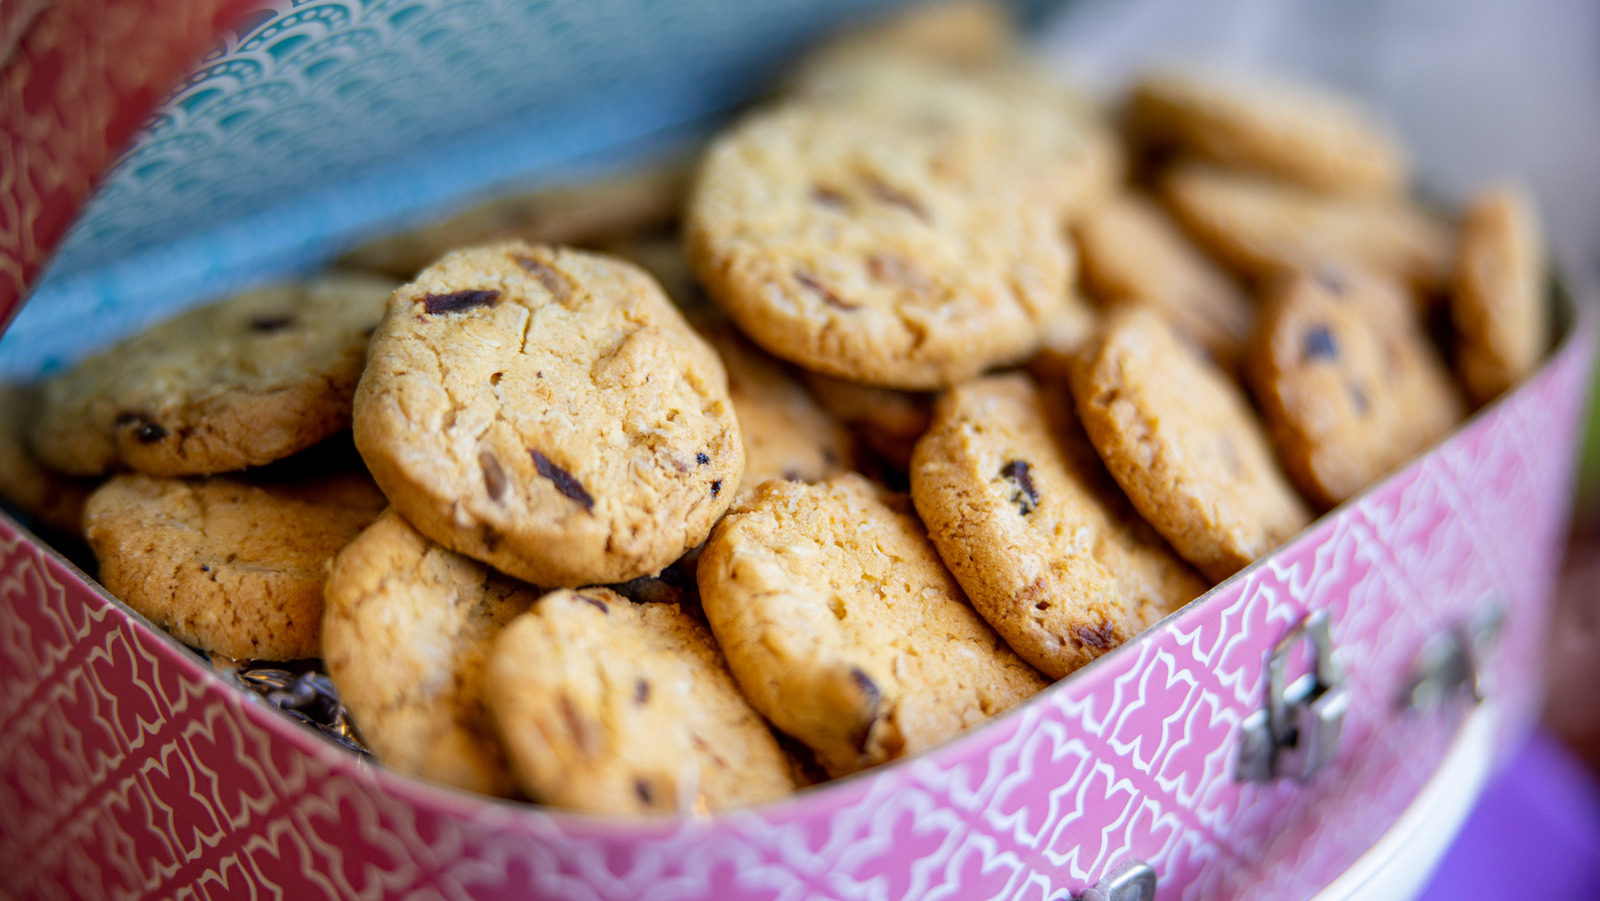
(237, 383)
(406, 636)
(1497, 304)
(229, 566)
(1289, 130)
(550, 413)
(845, 629)
(1026, 518)
(1181, 440)
(610, 706)
(1349, 385)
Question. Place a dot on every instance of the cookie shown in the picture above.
(582, 214)
(550, 413)
(1130, 251)
(1026, 518)
(1497, 300)
(226, 565)
(1181, 440)
(1060, 338)
(845, 629)
(1285, 129)
(887, 422)
(786, 434)
(1261, 228)
(881, 249)
(963, 34)
(49, 500)
(237, 383)
(1348, 384)
(406, 636)
(609, 706)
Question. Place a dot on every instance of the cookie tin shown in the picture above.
(1256, 744)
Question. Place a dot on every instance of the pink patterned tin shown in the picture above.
(1255, 744)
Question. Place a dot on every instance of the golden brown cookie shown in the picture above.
(964, 34)
(845, 629)
(610, 706)
(550, 413)
(1181, 440)
(1348, 384)
(580, 214)
(230, 566)
(1059, 341)
(1497, 302)
(1131, 252)
(1043, 542)
(887, 422)
(241, 382)
(1261, 228)
(1285, 129)
(406, 636)
(786, 434)
(49, 500)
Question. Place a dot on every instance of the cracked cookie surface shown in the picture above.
(550, 413)
(845, 629)
(236, 383)
(611, 706)
(1033, 528)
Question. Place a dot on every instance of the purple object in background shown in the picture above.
(1534, 834)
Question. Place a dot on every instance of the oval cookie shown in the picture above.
(610, 706)
(1028, 521)
(238, 383)
(550, 413)
(845, 629)
(1497, 305)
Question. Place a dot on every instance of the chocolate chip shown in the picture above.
(553, 281)
(1024, 495)
(460, 300)
(716, 488)
(271, 323)
(494, 477)
(893, 269)
(145, 431)
(643, 790)
(823, 291)
(596, 603)
(582, 731)
(874, 697)
(641, 691)
(1359, 398)
(1102, 638)
(1331, 279)
(829, 197)
(563, 480)
(204, 568)
(895, 197)
(702, 459)
(1318, 343)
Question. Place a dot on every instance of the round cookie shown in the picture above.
(880, 248)
(237, 383)
(550, 413)
(1026, 518)
(1348, 384)
(609, 706)
(1289, 130)
(1181, 440)
(1260, 228)
(844, 628)
(229, 566)
(48, 499)
(786, 434)
(406, 636)
(1131, 252)
(1497, 303)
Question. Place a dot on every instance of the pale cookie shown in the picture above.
(1348, 384)
(845, 629)
(582, 213)
(1131, 252)
(226, 565)
(873, 247)
(609, 706)
(1497, 303)
(237, 383)
(49, 500)
(963, 34)
(1293, 131)
(1059, 341)
(1181, 440)
(1026, 518)
(1261, 228)
(786, 434)
(550, 413)
(887, 422)
(406, 637)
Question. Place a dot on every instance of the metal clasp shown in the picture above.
(1132, 880)
(1297, 733)
(1453, 660)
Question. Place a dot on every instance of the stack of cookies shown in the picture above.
(932, 384)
